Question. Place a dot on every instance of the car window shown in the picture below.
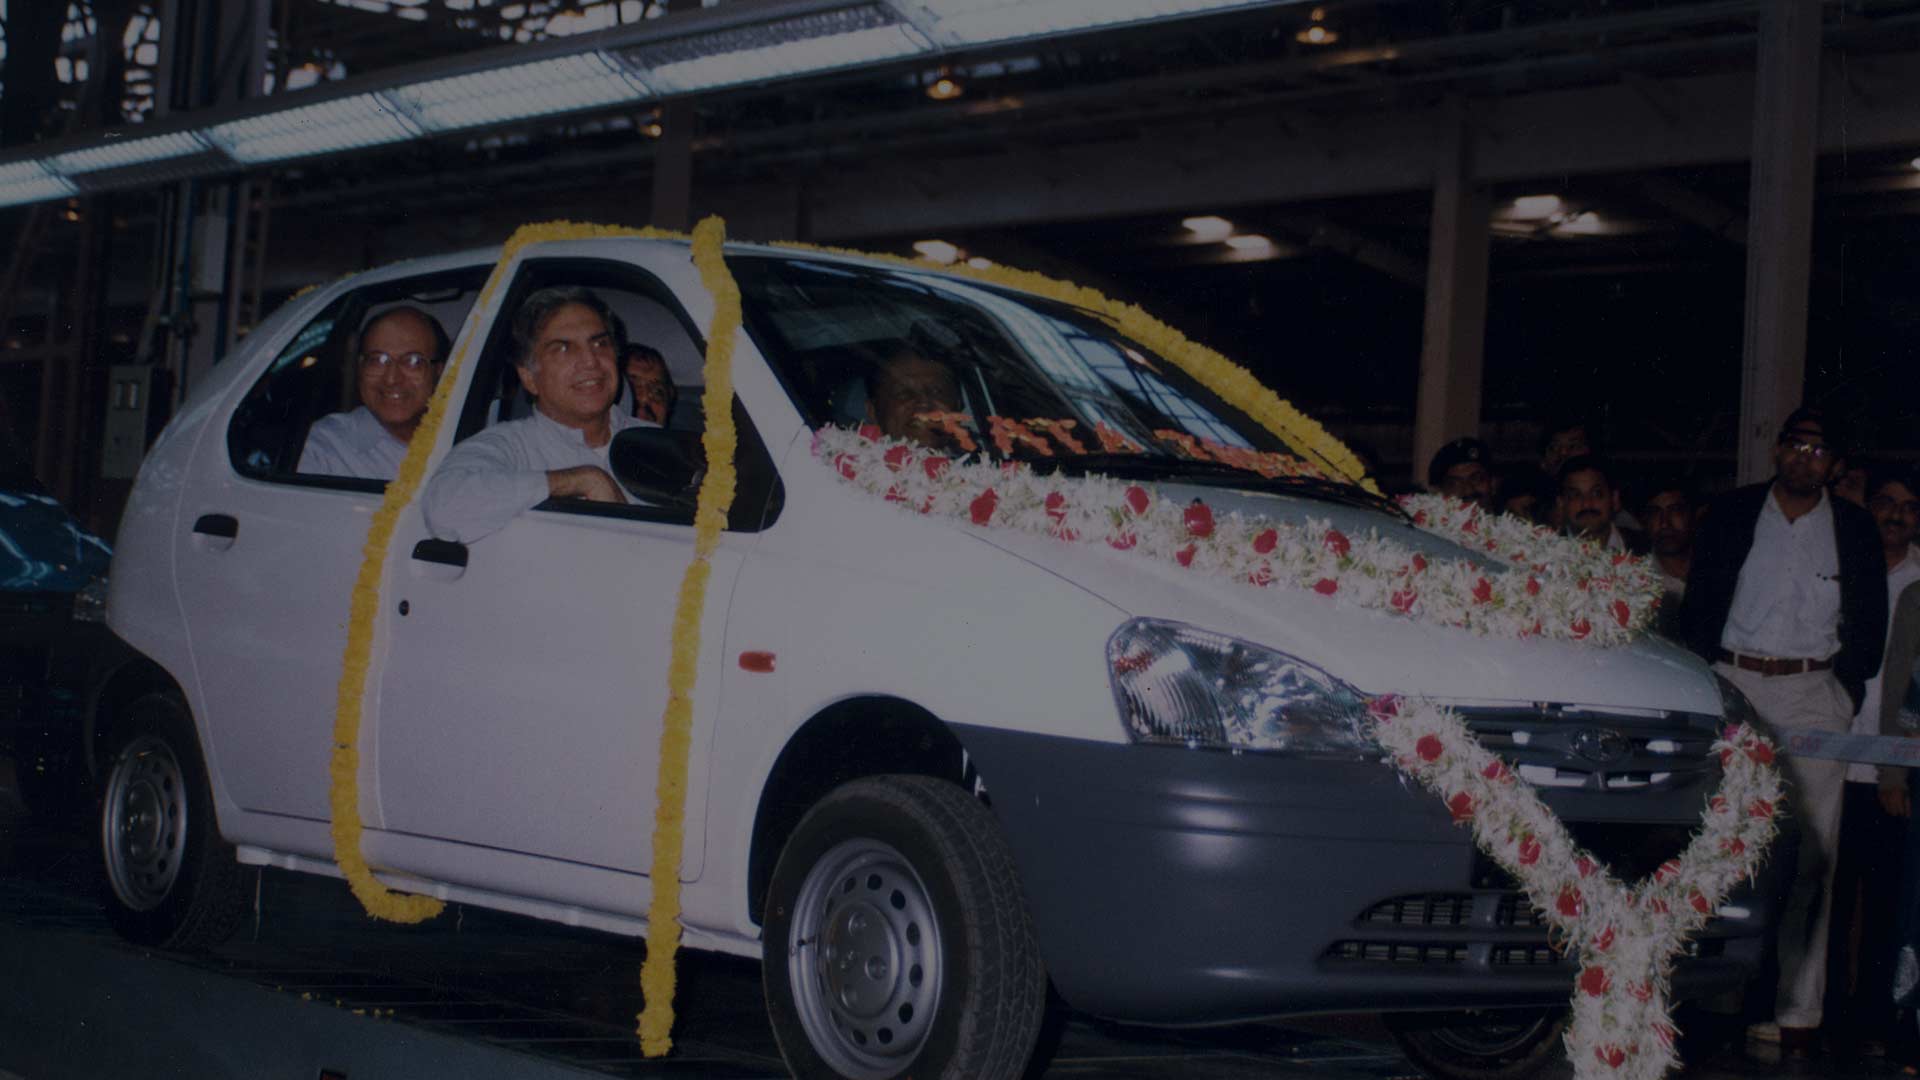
(304, 421)
(977, 367)
(645, 313)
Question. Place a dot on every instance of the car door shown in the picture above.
(268, 553)
(525, 673)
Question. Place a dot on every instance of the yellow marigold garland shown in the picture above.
(1232, 383)
(344, 765)
(709, 519)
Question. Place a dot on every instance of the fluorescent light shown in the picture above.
(753, 54)
(31, 181)
(1915, 163)
(541, 88)
(344, 124)
(972, 22)
(937, 251)
(1208, 228)
(1250, 244)
(980, 263)
(121, 153)
(1587, 223)
(1536, 206)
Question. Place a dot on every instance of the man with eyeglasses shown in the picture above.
(402, 352)
(564, 352)
(1787, 597)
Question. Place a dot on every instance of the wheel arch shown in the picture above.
(134, 678)
(853, 738)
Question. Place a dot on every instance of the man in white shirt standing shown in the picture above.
(1787, 596)
(402, 352)
(564, 355)
(1873, 822)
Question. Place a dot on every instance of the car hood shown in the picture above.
(1375, 651)
(42, 549)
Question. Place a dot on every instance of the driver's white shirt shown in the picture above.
(489, 479)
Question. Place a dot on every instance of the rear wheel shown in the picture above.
(899, 941)
(170, 880)
(1501, 1044)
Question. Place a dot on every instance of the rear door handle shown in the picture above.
(215, 532)
(440, 560)
(221, 526)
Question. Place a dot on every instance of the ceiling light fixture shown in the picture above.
(956, 23)
(1915, 163)
(1250, 243)
(1536, 206)
(945, 87)
(938, 251)
(1208, 228)
(1317, 32)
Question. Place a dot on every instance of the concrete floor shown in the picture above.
(312, 988)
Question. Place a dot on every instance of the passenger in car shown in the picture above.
(402, 352)
(564, 355)
(651, 383)
(904, 389)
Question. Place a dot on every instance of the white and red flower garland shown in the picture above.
(1556, 587)
(1626, 937)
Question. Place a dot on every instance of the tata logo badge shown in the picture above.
(1601, 745)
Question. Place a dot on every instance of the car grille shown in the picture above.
(1443, 930)
(1554, 746)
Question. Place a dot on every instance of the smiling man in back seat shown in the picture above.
(564, 353)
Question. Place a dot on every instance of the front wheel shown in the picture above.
(1505, 1044)
(898, 940)
(170, 880)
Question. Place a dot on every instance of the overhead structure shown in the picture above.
(697, 51)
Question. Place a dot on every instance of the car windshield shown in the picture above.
(950, 363)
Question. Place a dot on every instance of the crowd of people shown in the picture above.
(1804, 592)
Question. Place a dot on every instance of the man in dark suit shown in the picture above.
(1787, 596)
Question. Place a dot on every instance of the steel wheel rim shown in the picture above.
(144, 822)
(864, 960)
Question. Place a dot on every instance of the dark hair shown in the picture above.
(1831, 431)
(442, 344)
(636, 351)
(539, 306)
(1880, 475)
(1586, 463)
(900, 355)
(1662, 483)
(1564, 422)
(1461, 451)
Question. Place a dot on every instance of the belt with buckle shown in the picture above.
(1771, 665)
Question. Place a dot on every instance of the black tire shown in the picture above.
(169, 880)
(1496, 1044)
(898, 940)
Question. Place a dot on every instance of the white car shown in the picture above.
(921, 786)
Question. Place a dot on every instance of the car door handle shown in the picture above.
(439, 560)
(215, 532)
(444, 552)
(219, 526)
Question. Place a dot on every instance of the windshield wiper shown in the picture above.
(1216, 474)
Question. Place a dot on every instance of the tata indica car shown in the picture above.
(929, 778)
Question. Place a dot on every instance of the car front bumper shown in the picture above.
(1178, 886)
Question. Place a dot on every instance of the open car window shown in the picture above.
(646, 313)
(312, 381)
(1030, 379)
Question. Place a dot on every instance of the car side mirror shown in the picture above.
(659, 466)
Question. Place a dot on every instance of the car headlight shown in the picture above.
(90, 603)
(1179, 684)
(1734, 706)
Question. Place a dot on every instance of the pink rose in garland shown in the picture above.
(1199, 520)
(981, 508)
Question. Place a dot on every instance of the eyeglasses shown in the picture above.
(385, 361)
(1812, 450)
